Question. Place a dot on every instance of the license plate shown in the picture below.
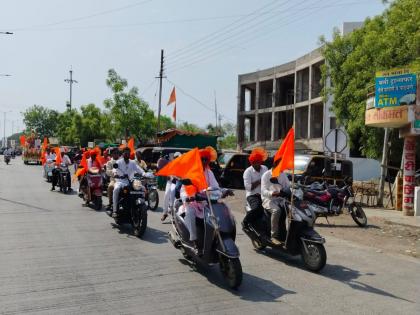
(136, 192)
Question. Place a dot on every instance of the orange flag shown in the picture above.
(83, 166)
(172, 98)
(45, 144)
(22, 140)
(287, 154)
(130, 145)
(174, 113)
(187, 166)
(57, 156)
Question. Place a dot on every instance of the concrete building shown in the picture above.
(266, 99)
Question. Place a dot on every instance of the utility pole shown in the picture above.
(70, 82)
(215, 107)
(384, 167)
(160, 77)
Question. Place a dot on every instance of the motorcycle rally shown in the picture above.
(280, 211)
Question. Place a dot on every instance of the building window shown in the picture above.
(317, 118)
(302, 123)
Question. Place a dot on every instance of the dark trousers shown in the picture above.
(256, 211)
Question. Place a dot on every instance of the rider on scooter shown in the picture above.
(252, 183)
(126, 169)
(66, 160)
(193, 209)
(271, 189)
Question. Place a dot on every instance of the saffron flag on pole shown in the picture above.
(172, 97)
(286, 153)
(174, 113)
(187, 166)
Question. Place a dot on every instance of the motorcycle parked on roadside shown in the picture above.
(132, 206)
(92, 192)
(299, 238)
(329, 200)
(49, 166)
(216, 234)
(63, 177)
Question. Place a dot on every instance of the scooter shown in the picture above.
(132, 206)
(92, 193)
(7, 159)
(299, 238)
(329, 200)
(63, 177)
(48, 170)
(216, 234)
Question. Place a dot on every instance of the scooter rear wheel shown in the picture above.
(231, 269)
(316, 257)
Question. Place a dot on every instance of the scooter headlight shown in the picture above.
(137, 184)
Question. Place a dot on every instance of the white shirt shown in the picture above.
(268, 188)
(129, 169)
(110, 167)
(210, 179)
(250, 176)
(65, 159)
(51, 156)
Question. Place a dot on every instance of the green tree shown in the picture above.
(384, 42)
(93, 122)
(166, 123)
(68, 130)
(130, 115)
(41, 119)
(186, 126)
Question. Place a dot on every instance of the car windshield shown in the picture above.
(301, 163)
(225, 157)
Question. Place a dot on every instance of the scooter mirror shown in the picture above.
(186, 181)
(115, 165)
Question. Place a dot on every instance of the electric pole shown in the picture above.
(70, 82)
(160, 77)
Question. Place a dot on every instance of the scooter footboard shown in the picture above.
(229, 248)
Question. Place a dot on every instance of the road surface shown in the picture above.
(57, 257)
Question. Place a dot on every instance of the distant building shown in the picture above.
(266, 99)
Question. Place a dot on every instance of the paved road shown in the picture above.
(59, 257)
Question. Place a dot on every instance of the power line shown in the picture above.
(221, 30)
(148, 87)
(86, 17)
(220, 50)
(225, 37)
(197, 100)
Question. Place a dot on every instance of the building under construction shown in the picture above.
(266, 99)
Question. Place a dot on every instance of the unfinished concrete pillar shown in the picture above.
(257, 106)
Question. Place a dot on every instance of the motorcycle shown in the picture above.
(216, 234)
(132, 206)
(329, 200)
(299, 238)
(152, 195)
(92, 193)
(48, 169)
(63, 177)
(7, 159)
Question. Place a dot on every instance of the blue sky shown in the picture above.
(127, 35)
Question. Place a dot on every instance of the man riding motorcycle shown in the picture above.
(115, 155)
(194, 209)
(252, 183)
(126, 169)
(66, 160)
(271, 189)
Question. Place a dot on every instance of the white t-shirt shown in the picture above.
(250, 176)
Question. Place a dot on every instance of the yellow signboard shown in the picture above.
(389, 117)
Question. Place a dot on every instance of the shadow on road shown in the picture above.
(349, 276)
(25, 205)
(253, 288)
(151, 235)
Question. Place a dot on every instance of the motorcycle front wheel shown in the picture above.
(358, 215)
(153, 200)
(139, 221)
(315, 258)
(231, 270)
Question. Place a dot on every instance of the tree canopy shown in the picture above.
(390, 40)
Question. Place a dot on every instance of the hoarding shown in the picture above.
(389, 117)
(395, 87)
